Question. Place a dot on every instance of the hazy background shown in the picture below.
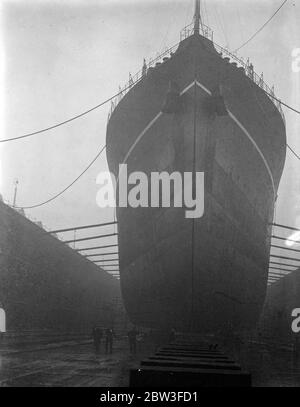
(63, 57)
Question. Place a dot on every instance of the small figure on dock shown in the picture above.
(2, 323)
(97, 337)
(296, 349)
(132, 337)
(109, 339)
(172, 335)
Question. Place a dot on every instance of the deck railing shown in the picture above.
(249, 71)
(204, 30)
(224, 52)
(134, 79)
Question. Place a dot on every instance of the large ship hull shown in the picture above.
(205, 273)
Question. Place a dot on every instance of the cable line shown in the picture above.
(89, 238)
(282, 103)
(285, 226)
(96, 247)
(101, 254)
(285, 248)
(262, 27)
(82, 227)
(284, 264)
(67, 187)
(288, 239)
(72, 118)
(284, 257)
(295, 154)
(291, 108)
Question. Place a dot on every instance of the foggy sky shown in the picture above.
(63, 57)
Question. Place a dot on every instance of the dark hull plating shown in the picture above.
(209, 272)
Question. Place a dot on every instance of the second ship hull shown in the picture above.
(211, 272)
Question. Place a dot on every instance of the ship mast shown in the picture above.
(197, 17)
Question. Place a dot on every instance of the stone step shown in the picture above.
(203, 364)
(149, 376)
(189, 364)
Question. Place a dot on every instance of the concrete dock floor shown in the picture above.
(76, 364)
(67, 364)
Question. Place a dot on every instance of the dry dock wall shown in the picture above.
(44, 284)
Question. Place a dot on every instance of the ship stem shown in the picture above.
(197, 17)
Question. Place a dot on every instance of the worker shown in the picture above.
(97, 337)
(2, 323)
(109, 338)
(297, 349)
(172, 335)
(132, 336)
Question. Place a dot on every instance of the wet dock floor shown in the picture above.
(273, 367)
(79, 366)
(76, 365)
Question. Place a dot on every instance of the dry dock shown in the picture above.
(73, 363)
